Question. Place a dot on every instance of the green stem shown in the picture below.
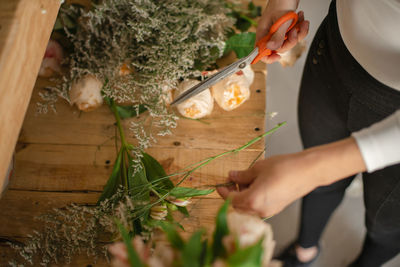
(124, 169)
(155, 192)
(210, 159)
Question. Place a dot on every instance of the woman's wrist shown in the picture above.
(332, 162)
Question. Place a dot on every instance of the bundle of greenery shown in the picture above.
(139, 50)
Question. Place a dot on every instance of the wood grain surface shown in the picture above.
(67, 157)
(25, 27)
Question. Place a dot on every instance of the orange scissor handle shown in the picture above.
(263, 51)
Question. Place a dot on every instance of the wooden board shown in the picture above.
(25, 28)
(67, 157)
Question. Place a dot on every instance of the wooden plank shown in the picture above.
(69, 126)
(77, 168)
(25, 28)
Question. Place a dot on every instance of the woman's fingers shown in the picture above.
(278, 37)
(271, 59)
(243, 177)
(304, 28)
(278, 42)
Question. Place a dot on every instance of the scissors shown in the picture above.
(258, 53)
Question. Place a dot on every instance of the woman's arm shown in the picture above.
(273, 183)
(380, 143)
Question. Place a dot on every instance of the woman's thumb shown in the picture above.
(243, 177)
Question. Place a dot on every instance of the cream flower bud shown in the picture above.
(51, 62)
(181, 202)
(159, 212)
(234, 90)
(197, 106)
(85, 93)
(248, 230)
(290, 57)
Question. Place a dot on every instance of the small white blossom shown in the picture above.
(86, 93)
(181, 202)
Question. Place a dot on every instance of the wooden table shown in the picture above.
(67, 158)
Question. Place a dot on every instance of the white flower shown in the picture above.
(51, 62)
(197, 106)
(234, 90)
(248, 230)
(159, 212)
(85, 93)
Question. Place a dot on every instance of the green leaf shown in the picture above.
(137, 182)
(130, 111)
(125, 111)
(181, 192)
(114, 181)
(173, 236)
(242, 24)
(183, 210)
(254, 11)
(156, 174)
(242, 43)
(221, 230)
(247, 257)
(133, 257)
(193, 250)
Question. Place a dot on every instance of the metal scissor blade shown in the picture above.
(225, 72)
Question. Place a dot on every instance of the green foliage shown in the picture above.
(182, 192)
(173, 236)
(130, 111)
(161, 42)
(125, 111)
(156, 174)
(183, 210)
(242, 44)
(253, 10)
(193, 250)
(221, 230)
(114, 181)
(247, 257)
(244, 18)
(197, 252)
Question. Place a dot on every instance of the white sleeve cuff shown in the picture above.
(380, 143)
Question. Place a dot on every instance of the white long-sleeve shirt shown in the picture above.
(371, 32)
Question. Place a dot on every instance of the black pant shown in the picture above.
(338, 97)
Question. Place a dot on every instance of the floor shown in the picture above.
(343, 236)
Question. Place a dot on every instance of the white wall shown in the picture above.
(283, 87)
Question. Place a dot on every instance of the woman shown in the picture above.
(349, 117)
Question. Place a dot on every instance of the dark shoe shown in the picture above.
(289, 257)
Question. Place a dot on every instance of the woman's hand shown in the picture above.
(272, 184)
(274, 10)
